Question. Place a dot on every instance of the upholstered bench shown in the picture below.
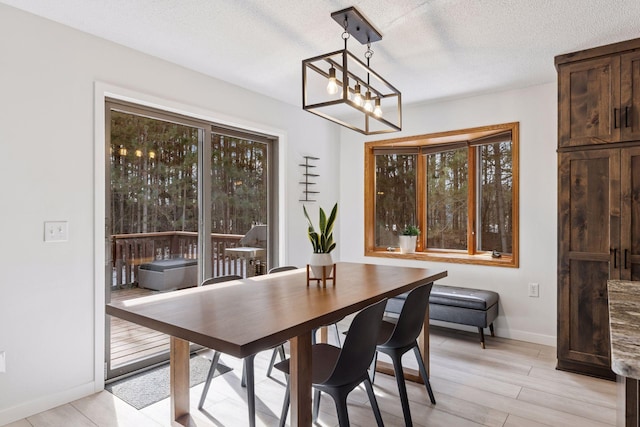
(471, 307)
(168, 274)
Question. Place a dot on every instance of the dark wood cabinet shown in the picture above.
(588, 227)
(599, 97)
(598, 196)
(630, 214)
(599, 239)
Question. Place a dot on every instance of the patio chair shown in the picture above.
(337, 371)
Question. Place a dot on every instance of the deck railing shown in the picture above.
(129, 251)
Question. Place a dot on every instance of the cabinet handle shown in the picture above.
(615, 118)
(626, 116)
(626, 251)
(615, 257)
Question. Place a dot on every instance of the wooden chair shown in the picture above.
(337, 371)
(397, 338)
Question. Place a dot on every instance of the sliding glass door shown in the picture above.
(170, 224)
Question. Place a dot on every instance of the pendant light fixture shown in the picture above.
(341, 88)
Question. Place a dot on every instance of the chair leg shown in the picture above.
(373, 402)
(491, 329)
(481, 331)
(341, 408)
(402, 388)
(278, 350)
(207, 383)
(372, 367)
(250, 384)
(423, 372)
(285, 405)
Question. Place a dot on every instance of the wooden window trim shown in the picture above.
(470, 136)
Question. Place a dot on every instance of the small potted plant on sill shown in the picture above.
(321, 240)
(407, 239)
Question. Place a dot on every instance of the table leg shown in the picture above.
(179, 368)
(324, 334)
(300, 380)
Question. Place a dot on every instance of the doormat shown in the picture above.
(143, 389)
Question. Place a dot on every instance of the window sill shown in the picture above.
(482, 259)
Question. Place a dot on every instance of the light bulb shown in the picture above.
(357, 96)
(377, 111)
(367, 102)
(332, 86)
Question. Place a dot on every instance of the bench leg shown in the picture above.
(481, 331)
(491, 329)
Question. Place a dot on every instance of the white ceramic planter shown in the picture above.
(407, 244)
(317, 261)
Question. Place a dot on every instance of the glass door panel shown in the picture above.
(239, 204)
(152, 200)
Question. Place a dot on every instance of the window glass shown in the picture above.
(447, 211)
(395, 196)
(239, 185)
(495, 197)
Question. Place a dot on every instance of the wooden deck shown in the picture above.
(129, 341)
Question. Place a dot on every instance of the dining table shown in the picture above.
(244, 317)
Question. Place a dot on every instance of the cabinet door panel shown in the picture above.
(630, 210)
(588, 94)
(588, 339)
(589, 232)
(630, 96)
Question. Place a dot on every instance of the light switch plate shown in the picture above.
(56, 231)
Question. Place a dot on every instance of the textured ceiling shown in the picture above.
(431, 49)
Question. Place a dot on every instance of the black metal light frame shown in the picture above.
(351, 69)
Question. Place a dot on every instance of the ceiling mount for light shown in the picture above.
(345, 90)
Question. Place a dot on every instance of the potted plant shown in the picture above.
(407, 239)
(321, 240)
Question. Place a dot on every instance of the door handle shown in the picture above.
(615, 257)
(626, 116)
(626, 251)
(615, 118)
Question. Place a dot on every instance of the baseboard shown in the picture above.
(550, 340)
(27, 409)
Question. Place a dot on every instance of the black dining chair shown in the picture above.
(337, 371)
(397, 338)
(247, 364)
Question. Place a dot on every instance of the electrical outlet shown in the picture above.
(534, 290)
(3, 362)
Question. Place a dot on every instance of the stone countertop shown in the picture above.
(624, 321)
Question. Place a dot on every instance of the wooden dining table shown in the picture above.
(244, 317)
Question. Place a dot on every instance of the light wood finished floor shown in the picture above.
(510, 384)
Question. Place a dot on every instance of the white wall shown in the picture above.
(521, 317)
(48, 294)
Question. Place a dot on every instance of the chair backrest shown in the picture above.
(283, 268)
(411, 318)
(220, 279)
(359, 346)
